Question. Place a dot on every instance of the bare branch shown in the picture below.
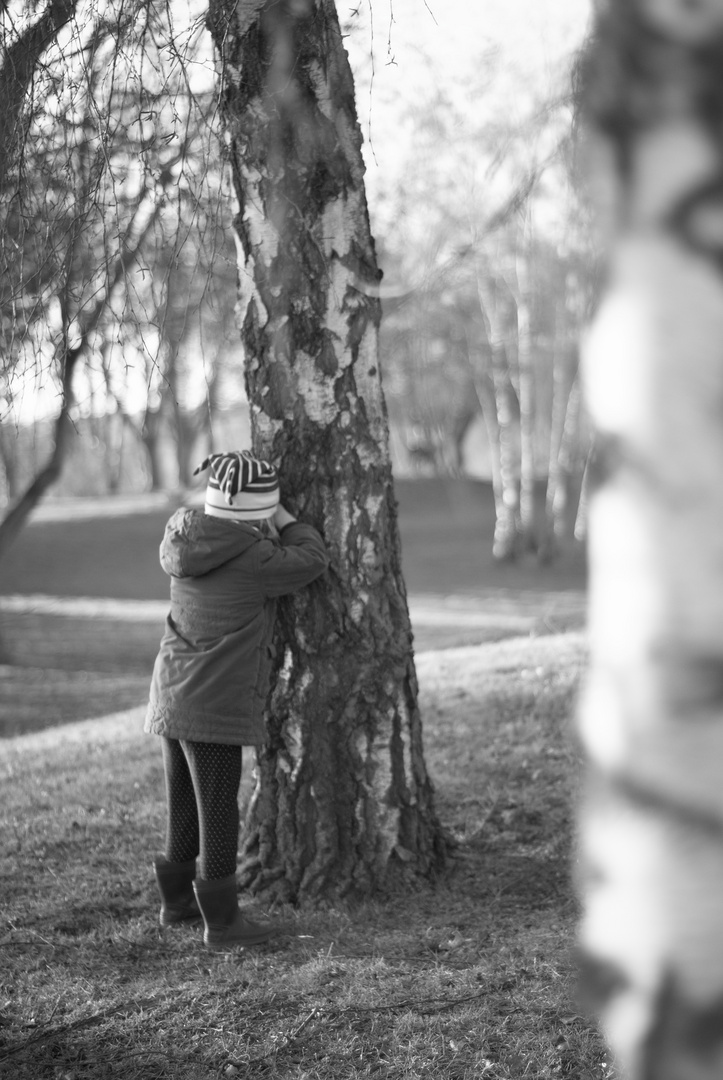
(19, 64)
(68, 360)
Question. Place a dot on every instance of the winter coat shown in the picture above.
(211, 677)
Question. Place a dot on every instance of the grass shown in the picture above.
(67, 669)
(469, 976)
(62, 668)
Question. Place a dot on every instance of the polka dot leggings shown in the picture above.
(202, 782)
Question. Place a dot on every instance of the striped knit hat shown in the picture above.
(240, 487)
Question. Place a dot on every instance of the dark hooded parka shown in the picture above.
(211, 677)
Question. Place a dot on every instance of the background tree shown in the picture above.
(481, 205)
(652, 718)
(343, 800)
(24, 43)
(114, 132)
(54, 293)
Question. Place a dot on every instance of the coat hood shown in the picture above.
(194, 543)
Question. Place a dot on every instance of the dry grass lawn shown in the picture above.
(470, 976)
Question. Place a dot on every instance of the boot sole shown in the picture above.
(185, 920)
(238, 943)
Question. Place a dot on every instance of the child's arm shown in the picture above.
(301, 558)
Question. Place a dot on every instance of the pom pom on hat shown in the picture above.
(240, 487)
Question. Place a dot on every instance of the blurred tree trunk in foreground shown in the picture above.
(652, 717)
(343, 798)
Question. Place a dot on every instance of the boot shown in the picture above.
(175, 884)
(225, 925)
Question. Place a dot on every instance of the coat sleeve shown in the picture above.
(300, 559)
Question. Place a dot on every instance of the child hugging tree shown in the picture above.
(227, 565)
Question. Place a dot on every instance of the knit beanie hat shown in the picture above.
(240, 487)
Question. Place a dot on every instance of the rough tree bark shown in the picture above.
(652, 718)
(343, 798)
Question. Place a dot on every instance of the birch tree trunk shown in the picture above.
(526, 393)
(482, 380)
(343, 800)
(566, 419)
(499, 312)
(652, 716)
(556, 492)
(563, 467)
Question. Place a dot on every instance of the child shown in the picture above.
(227, 565)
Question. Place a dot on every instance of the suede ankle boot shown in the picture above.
(175, 884)
(224, 924)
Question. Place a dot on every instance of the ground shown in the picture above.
(468, 976)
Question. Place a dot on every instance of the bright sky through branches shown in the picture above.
(480, 55)
(462, 64)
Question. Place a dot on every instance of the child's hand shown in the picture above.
(282, 517)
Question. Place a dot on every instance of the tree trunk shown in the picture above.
(19, 513)
(9, 458)
(565, 421)
(555, 493)
(652, 718)
(500, 316)
(191, 424)
(83, 324)
(564, 466)
(20, 60)
(482, 380)
(151, 435)
(343, 800)
(461, 424)
(581, 517)
(526, 394)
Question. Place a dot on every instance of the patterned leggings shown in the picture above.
(202, 782)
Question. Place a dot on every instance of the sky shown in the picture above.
(454, 31)
(402, 50)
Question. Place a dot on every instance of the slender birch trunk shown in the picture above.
(526, 394)
(556, 491)
(500, 317)
(564, 420)
(343, 800)
(486, 397)
(652, 715)
(567, 466)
